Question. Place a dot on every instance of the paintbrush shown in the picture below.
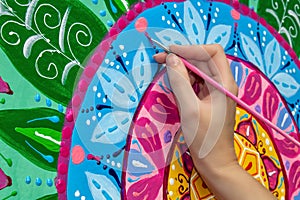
(218, 86)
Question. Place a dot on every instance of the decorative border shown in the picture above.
(98, 56)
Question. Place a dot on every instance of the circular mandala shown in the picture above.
(122, 128)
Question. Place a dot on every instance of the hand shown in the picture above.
(208, 117)
(207, 120)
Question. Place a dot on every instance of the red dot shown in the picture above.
(141, 24)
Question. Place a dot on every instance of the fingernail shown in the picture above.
(172, 60)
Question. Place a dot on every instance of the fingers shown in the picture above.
(181, 86)
(160, 57)
(215, 58)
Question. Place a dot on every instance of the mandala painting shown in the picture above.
(86, 112)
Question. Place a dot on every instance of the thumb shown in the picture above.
(182, 88)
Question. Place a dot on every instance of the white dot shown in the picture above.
(263, 135)
(294, 70)
(213, 21)
(264, 39)
(180, 21)
(238, 112)
(217, 9)
(204, 17)
(177, 14)
(121, 47)
(284, 57)
(171, 193)
(175, 5)
(113, 163)
(290, 71)
(127, 62)
(118, 67)
(286, 71)
(285, 52)
(173, 25)
(98, 94)
(77, 193)
(82, 198)
(201, 10)
(198, 3)
(99, 114)
(95, 88)
(118, 165)
(254, 38)
(163, 18)
(106, 61)
(111, 63)
(104, 100)
(282, 198)
(293, 112)
(124, 54)
(267, 141)
(282, 63)
(107, 160)
(171, 181)
(251, 32)
(94, 118)
(270, 148)
(88, 122)
(168, 22)
(282, 190)
(297, 106)
(264, 32)
(216, 14)
(173, 167)
(235, 54)
(263, 44)
(249, 26)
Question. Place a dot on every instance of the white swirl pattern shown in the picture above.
(51, 19)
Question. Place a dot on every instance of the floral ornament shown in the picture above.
(4, 87)
(195, 30)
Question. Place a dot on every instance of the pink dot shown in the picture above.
(235, 14)
(97, 58)
(90, 71)
(62, 168)
(60, 185)
(76, 100)
(66, 132)
(130, 15)
(77, 154)
(83, 85)
(64, 151)
(69, 115)
(141, 24)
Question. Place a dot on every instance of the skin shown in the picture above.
(208, 118)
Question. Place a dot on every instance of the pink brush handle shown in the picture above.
(236, 99)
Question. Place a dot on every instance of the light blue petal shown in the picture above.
(142, 69)
(272, 57)
(118, 88)
(193, 24)
(219, 34)
(112, 128)
(101, 187)
(170, 36)
(286, 84)
(252, 51)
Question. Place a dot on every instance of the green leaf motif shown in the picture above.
(284, 16)
(47, 123)
(49, 197)
(47, 137)
(49, 41)
(118, 7)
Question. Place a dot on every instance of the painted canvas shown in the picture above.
(86, 113)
